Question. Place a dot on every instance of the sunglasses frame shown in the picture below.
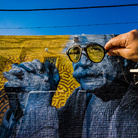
(85, 49)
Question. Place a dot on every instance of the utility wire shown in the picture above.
(68, 26)
(73, 8)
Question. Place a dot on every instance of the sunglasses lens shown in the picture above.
(96, 53)
(74, 54)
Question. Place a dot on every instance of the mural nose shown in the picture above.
(85, 61)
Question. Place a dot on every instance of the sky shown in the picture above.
(22, 19)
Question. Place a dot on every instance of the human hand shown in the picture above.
(125, 45)
(32, 76)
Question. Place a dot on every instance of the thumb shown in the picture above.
(119, 52)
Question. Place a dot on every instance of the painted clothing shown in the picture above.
(111, 118)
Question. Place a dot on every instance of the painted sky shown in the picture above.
(67, 17)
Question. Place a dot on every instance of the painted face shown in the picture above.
(94, 75)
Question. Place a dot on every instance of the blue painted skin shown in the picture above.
(32, 76)
(99, 78)
(23, 80)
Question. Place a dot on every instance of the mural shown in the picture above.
(18, 49)
(65, 86)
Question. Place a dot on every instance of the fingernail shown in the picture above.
(108, 54)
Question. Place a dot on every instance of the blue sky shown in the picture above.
(67, 17)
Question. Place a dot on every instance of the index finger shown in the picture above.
(118, 41)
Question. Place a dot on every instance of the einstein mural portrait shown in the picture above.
(100, 94)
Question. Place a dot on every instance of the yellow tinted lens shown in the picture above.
(74, 54)
(95, 53)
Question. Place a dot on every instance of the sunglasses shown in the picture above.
(94, 52)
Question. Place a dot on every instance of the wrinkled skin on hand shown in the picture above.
(125, 45)
(31, 76)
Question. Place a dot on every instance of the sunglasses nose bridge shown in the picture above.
(84, 51)
(84, 60)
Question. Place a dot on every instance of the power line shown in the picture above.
(73, 8)
(44, 27)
